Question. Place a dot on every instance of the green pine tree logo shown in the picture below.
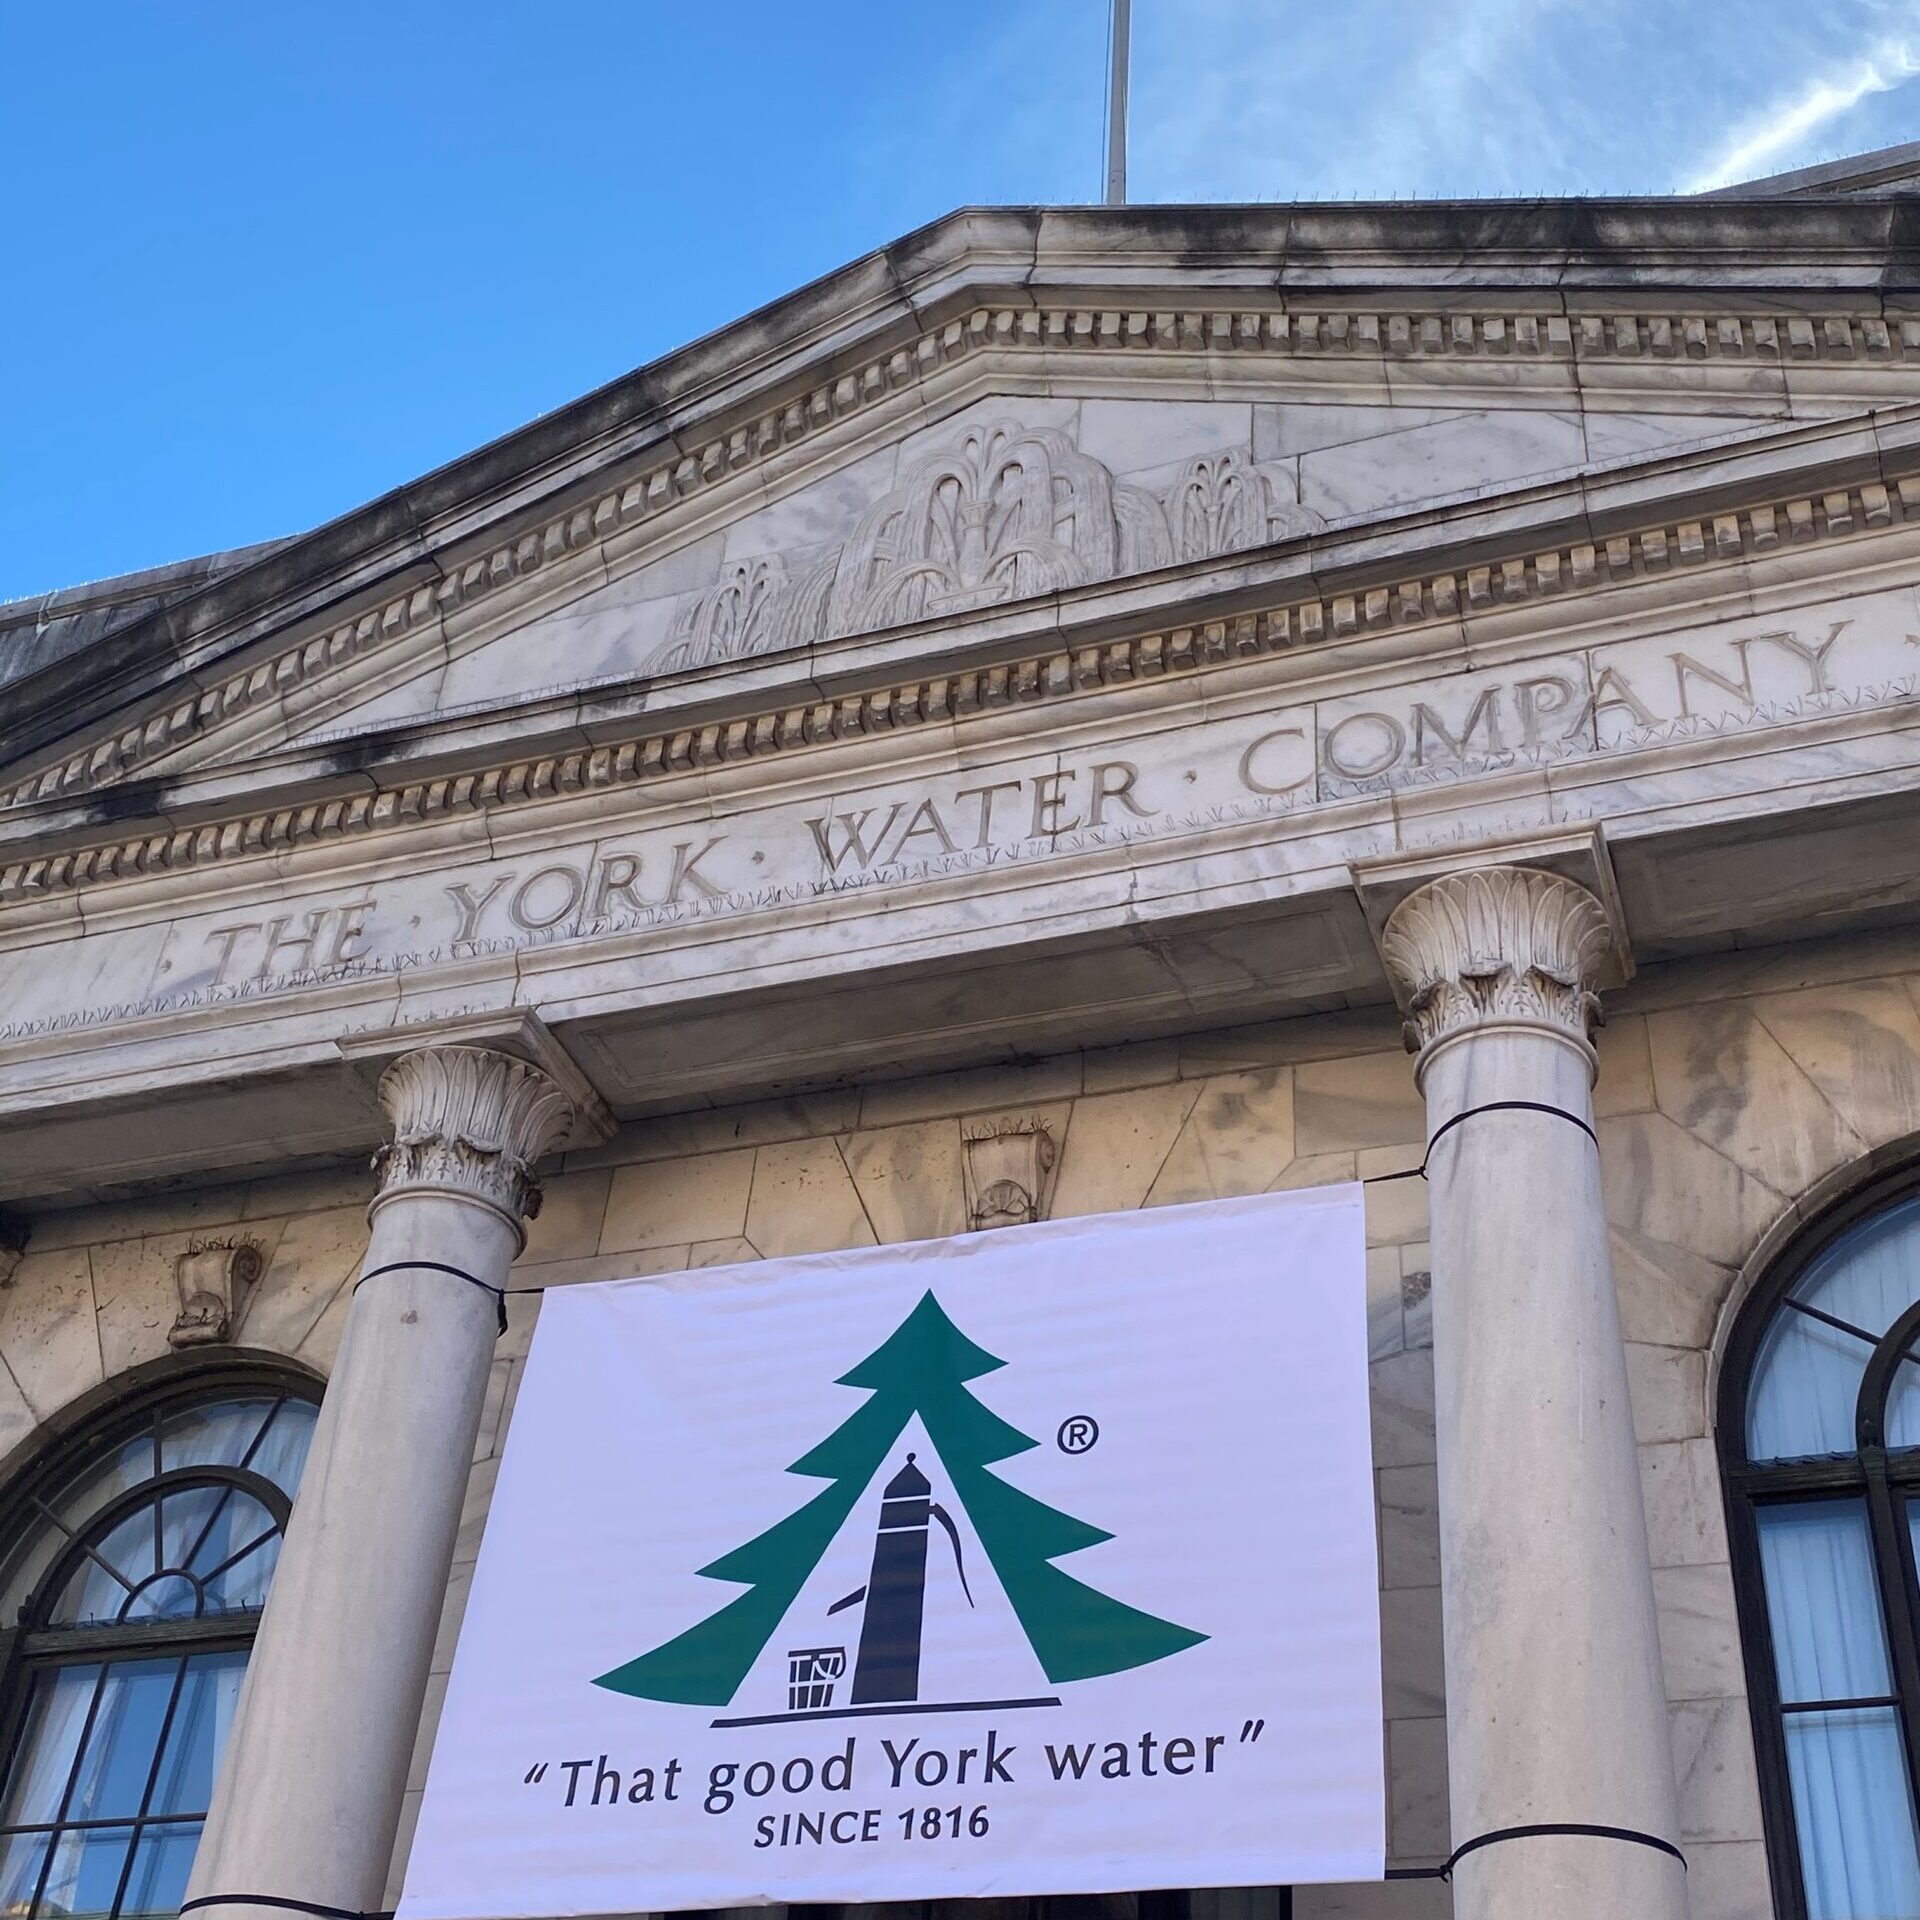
(922, 1368)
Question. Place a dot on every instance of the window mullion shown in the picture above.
(99, 1825)
(1765, 1706)
(1841, 1706)
(1904, 1617)
(213, 1520)
(1894, 1568)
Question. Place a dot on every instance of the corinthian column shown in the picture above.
(1556, 1707)
(310, 1789)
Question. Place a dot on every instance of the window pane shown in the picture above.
(244, 1584)
(212, 1436)
(92, 1593)
(21, 1859)
(240, 1521)
(1808, 1375)
(55, 1717)
(86, 1872)
(1853, 1810)
(187, 1519)
(114, 1769)
(282, 1452)
(1829, 1640)
(198, 1733)
(126, 1466)
(1805, 1387)
(161, 1863)
(171, 1596)
(1903, 1404)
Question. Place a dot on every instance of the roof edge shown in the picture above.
(1405, 248)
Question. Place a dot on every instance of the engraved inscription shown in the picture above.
(1190, 778)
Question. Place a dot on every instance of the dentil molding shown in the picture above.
(469, 1123)
(1447, 595)
(1860, 341)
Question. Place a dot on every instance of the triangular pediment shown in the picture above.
(1008, 498)
(876, 460)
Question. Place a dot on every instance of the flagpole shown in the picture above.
(1117, 104)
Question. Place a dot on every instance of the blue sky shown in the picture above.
(263, 262)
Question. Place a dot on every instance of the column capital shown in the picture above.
(1499, 946)
(468, 1123)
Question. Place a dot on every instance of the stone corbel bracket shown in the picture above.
(1009, 1164)
(213, 1277)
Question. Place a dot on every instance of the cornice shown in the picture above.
(1286, 329)
(1568, 571)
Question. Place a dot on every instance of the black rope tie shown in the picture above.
(1491, 1106)
(1574, 1829)
(458, 1273)
(501, 1294)
(276, 1900)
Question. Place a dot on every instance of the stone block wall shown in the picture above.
(1727, 1089)
(1157, 1123)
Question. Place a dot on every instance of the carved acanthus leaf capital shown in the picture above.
(469, 1122)
(1497, 945)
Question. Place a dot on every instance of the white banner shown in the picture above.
(1035, 1561)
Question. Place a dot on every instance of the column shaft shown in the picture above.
(1556, 1702)
(311, 1786)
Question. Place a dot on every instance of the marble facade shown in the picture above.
(961, 747)
(1808, 1053)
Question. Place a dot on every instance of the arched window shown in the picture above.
(1820, 1441)
(135, 1555)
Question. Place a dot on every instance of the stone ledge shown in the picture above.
(1491, 586)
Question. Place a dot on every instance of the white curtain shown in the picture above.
(1808, 1376)
(59, 1712)
(1853, 1806)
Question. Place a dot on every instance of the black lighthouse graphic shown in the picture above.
(920, 1371)
(887, 1667)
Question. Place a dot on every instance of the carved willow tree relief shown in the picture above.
(1005, 512)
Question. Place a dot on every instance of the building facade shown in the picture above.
(1078, 711)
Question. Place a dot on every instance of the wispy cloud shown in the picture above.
(1439, 124)
(1779, 129)
(1247, 99)
(1239, 99)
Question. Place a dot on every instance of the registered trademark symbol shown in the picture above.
(1078, 1432)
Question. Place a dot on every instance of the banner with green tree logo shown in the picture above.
(1035, 1561)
